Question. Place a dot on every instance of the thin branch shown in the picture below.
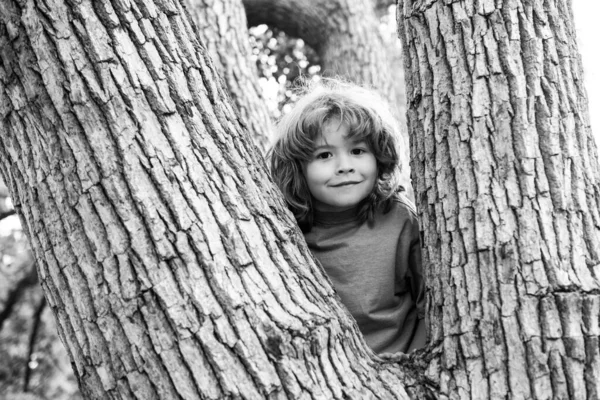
(7, 214)
(381, 6)
(34, 332)
(28, 280)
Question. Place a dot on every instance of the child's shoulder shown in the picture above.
(402, 203)
(403, 214)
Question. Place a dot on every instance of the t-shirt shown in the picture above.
(375, 267)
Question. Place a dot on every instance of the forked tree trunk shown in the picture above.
(169, 259)
(506, 172)
(174, 269)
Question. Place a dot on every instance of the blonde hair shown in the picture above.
(368, 119)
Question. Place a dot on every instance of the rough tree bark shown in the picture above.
(174, 269)
(506, 172)
(222, 27)
(166, 254)
(223, 30)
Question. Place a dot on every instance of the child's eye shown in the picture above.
(357, 152)
(323, 155)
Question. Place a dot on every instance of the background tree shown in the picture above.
(344, 33)
(223, 30)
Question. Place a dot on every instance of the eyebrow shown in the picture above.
(325, 146)
(328, 146)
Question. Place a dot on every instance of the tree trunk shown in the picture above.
(223, 30)
(173, 268)
(506, 173)
(166, 254)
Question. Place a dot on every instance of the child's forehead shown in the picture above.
(338, 130)
(336, 139)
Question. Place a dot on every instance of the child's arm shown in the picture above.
(417, 286)
(416, 270)
(409, 266)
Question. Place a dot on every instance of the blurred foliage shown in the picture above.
(281, 60)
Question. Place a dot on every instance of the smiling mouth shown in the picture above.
(345, 184)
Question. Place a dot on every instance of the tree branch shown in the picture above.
(28, 280)
(7, 214)
(34, 331)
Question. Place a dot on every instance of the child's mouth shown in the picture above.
(347, 183)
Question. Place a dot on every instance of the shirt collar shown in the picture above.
(335, 217)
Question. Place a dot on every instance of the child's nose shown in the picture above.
(344, 166)
(345, 170)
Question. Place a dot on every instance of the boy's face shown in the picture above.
(341, 172)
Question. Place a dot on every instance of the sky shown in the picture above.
(587, 29)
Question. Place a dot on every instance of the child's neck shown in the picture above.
(336, 217)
